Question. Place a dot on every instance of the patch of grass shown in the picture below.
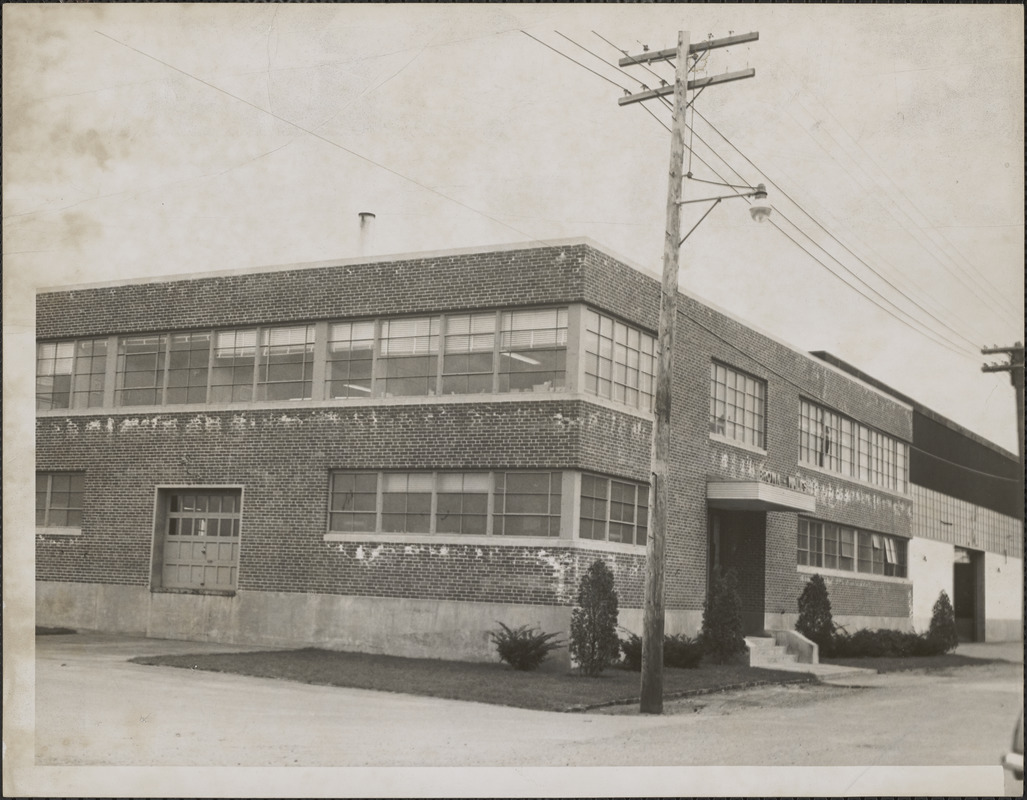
(906, 663)
(460, 680)
(44, 631)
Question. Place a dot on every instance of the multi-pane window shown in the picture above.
(235, 364)
(528, 503)
(462, 503)
(70, 374)
(620, 361)
(533, 350)
(516, 503)
(141, 360)
(201, 538)
(469, 353)
(612, 510)
(350, 356)
(286, 363)
(737, 405)
(831, 546)
(59, 499)
(408, 357)
(188, 363)
(842, 445)
(467, 362)
(354, 502)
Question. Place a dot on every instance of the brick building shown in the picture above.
(392, 454)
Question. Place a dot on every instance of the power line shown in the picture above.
(598, 75)
(324, 139)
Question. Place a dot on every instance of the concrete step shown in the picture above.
(763, 652)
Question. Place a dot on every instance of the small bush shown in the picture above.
(523, 648)
(943, 625)
(722, 631)
(680, 651)
(815, 621)
(594, 643)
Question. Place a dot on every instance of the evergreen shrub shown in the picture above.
(594, 643)
(722, 630)
(943, 624)
(815, 621)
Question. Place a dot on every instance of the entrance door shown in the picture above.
(737, 541)
(968, 595)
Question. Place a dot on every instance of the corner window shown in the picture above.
(59, 498)
(737, 406)
(620, 361)
(198, 538)
(613, 510)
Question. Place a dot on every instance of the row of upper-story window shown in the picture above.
(444, 354)
(524, 350)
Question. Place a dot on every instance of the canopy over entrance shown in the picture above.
(757, 496)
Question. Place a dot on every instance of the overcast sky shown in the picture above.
(158, 139)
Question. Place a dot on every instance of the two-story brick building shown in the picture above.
(392, 454)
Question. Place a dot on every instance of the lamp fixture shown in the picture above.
(760, 210)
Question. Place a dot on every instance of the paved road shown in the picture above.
(93, 708)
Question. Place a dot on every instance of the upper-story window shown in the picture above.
(70, 374)
(533, 350)
(350, 357)
(839, 444)
(469, 357)
(738, 405)
(620, 361)
(408, 356)
(286, 363)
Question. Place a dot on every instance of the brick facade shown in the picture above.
(282, 457)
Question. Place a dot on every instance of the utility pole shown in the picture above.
(1015, 369)
(653, 613)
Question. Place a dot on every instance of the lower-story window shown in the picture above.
(518, 503)
(199, 531)
(825, 544)
(59, 499)
(613, 510)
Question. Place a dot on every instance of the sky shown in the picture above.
(163, 139)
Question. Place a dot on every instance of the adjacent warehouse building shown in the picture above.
(392, 454)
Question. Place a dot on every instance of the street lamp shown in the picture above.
(760, 210)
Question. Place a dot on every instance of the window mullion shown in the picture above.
(376, 347)
(49, 500)
(433, 507)
(609, 501)
(210, 366)
(167, 365)
(490, 506)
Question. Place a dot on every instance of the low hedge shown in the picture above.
(883, 642)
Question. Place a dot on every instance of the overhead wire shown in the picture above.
(817, 222)
(997, 293)
(931, 334)
(324, 139)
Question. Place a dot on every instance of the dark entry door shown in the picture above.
(967, 595)
(738, 542)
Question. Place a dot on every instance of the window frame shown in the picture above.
(606, 522)
(742, 432)
(812, 550)
(46, 527)
(607, 353)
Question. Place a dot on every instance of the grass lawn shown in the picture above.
(461, 680)
(904, 663)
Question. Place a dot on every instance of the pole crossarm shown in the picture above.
(698, 83)
(698, 47)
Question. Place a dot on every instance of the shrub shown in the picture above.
(943, 625)
(594, 643)
(721, 635)
(884, 643)
(815, 621)
(523, 648)
(679, 651)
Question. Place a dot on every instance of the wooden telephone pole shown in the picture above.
(653, 615)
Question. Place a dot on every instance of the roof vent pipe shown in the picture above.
(366, 232)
